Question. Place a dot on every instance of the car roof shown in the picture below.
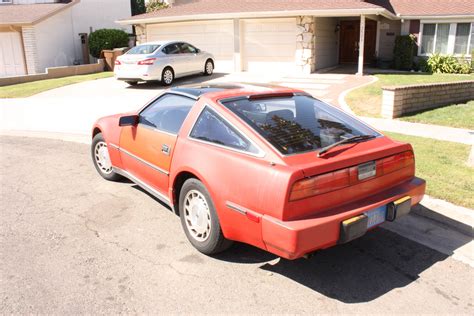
(161, 43)
(233, 90)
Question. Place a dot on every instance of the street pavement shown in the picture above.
(73, 243)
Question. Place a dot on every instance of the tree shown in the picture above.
(138, 6)
(106, 39)
(155, 5)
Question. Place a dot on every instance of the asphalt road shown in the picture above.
(73, 243)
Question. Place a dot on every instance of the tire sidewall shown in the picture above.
(205, 68)
(209, 245)
(108, 176)
(163, 76)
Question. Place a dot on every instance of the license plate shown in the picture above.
(366, 170)
(376, 216)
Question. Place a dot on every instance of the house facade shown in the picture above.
(306, 35)
(36, 34)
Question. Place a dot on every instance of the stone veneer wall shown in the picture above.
(305, 38)
(400, 100)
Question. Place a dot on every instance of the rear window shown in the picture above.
(143, 49)
(297, 124)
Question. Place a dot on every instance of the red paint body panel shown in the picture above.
(251, 193)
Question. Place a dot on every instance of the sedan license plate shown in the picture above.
(376, 216)
(366, 170)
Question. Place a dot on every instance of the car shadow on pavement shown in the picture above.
(184, 81)
(363, 269)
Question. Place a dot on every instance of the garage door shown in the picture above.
(215, 37)
(269, 45)
(12, 62)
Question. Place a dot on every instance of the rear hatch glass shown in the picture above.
(299, 123)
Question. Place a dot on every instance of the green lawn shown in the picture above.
(22, 90)
(444, 167)
(367, 101)
(457, 115)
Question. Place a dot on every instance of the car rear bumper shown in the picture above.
(139, 73)
(294, 239)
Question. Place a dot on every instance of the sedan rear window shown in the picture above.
(297, 124)
(143, 49)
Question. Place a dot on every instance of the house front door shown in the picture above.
(349, 41)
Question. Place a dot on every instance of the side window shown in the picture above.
(188, 49)
(210, 127)
(167, 113)
(171, 49)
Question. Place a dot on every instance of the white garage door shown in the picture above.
(12, 62)
(215, 37)
(269, 45)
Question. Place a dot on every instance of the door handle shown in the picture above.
(165, 149)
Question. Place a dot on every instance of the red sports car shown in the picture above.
(269, 166)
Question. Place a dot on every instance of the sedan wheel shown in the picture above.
(167, 77)
(199, 218)
(209, 68)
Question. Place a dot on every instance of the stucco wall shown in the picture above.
(54, 41)
(326, 41)
(388, 31)
(94, 14)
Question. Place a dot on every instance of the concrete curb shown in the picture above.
(455, 217)
(342, 97)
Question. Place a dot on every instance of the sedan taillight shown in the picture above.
(117, 62)
(148, 61)
(342, 178)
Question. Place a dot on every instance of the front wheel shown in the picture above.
(199, 219)
(101, 159)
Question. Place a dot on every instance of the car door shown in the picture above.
(146, 149)
(175, 59)
(193, 58)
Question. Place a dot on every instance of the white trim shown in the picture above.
(263, 14)
(437, 18)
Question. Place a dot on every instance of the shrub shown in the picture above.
(155, 5)
(448, 64)
(106, 39)
(403, 52)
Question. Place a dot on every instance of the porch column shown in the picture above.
(237, 46)
(360, 71)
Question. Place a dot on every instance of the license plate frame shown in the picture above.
(366, 170)
(376, 216)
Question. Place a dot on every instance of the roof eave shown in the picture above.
(262, 14)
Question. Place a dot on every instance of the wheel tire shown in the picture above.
(167, 76)
(102, 163)
(208, 67)
(214, 241)
(132, 83)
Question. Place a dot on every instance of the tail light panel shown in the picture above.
(349, 176)
(148, 61)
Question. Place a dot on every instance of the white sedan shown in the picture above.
(162, 61)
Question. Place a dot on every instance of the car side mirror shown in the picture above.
(198, 50)
(129, 120)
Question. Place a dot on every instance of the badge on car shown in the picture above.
(366, 170)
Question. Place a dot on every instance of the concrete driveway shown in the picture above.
(73, 109)
(73, 243)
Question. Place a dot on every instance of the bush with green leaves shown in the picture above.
(155, 5)
(448, 64)
(403, 52)
(106, 39)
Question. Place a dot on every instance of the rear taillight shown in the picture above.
(397, 162)
(148, 61)
(320, 184)
(345, 177)
(117, 62)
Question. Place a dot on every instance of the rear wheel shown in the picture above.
(208, 68)
(199, 219)
(167, 77)
(132, 83)
(101, 159)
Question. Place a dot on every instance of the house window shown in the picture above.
(446, 38)
(463, 31)
(6, 1)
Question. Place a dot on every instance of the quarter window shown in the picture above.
(211, 128)
(167, 113)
